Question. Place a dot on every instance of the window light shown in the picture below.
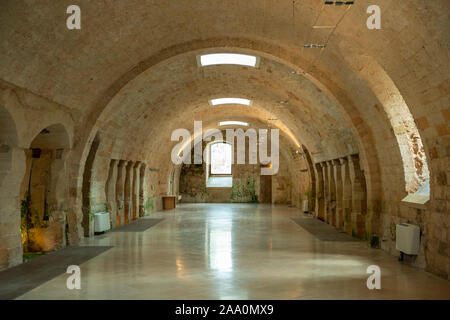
(228, 58)
(216, 102)
(221, 158)
(232, 123)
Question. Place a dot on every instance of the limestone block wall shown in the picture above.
(154, 189)
(10, 220)
(193, 184)
(286, 185)
(283, 184)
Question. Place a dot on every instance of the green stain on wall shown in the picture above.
(244, 191)
(149, 205)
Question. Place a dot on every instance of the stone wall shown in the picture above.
(285, 186)
(245, 185)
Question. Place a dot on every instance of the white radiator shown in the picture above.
(408, 238)
(305, 205)
(101, 222)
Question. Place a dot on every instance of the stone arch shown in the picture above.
(88, 221)
(369, 155)
(292, 178)
(409, 142)
(271, 51)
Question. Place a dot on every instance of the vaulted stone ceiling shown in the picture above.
(131, 71)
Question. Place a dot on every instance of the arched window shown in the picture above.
(220, 159)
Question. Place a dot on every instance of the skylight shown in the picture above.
(228, 58)
(233, 123)
(216, 102)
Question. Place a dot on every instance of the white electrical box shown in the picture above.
(305, 205)
(101, 222)
(408, 238)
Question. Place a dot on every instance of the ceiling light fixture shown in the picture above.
(219, 101)
(228, 58)
(233, 123)
(314, 45)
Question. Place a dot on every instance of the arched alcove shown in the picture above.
(409, 142)
(44, 191)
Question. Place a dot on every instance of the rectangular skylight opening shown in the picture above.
(228, 58)
(219, 101)
(233, 123)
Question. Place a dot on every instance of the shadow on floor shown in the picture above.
(322, 231)
(138, 226)
(20, 279)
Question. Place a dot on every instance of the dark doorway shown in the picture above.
(265, 189)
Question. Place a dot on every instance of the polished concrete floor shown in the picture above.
(238, 251)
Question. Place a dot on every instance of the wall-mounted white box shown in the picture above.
(101, 221)
(408, 238)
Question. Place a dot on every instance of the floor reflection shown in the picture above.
(219, 244)
(237, 251)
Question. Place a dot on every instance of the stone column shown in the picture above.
(141, 197)
(320, 214)
(136, 187)
(359, 198)
(127, 192)
(326, 192)
(346, 196)
(331, 194)
(111, 192)
(338, 192)
(120, 184)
